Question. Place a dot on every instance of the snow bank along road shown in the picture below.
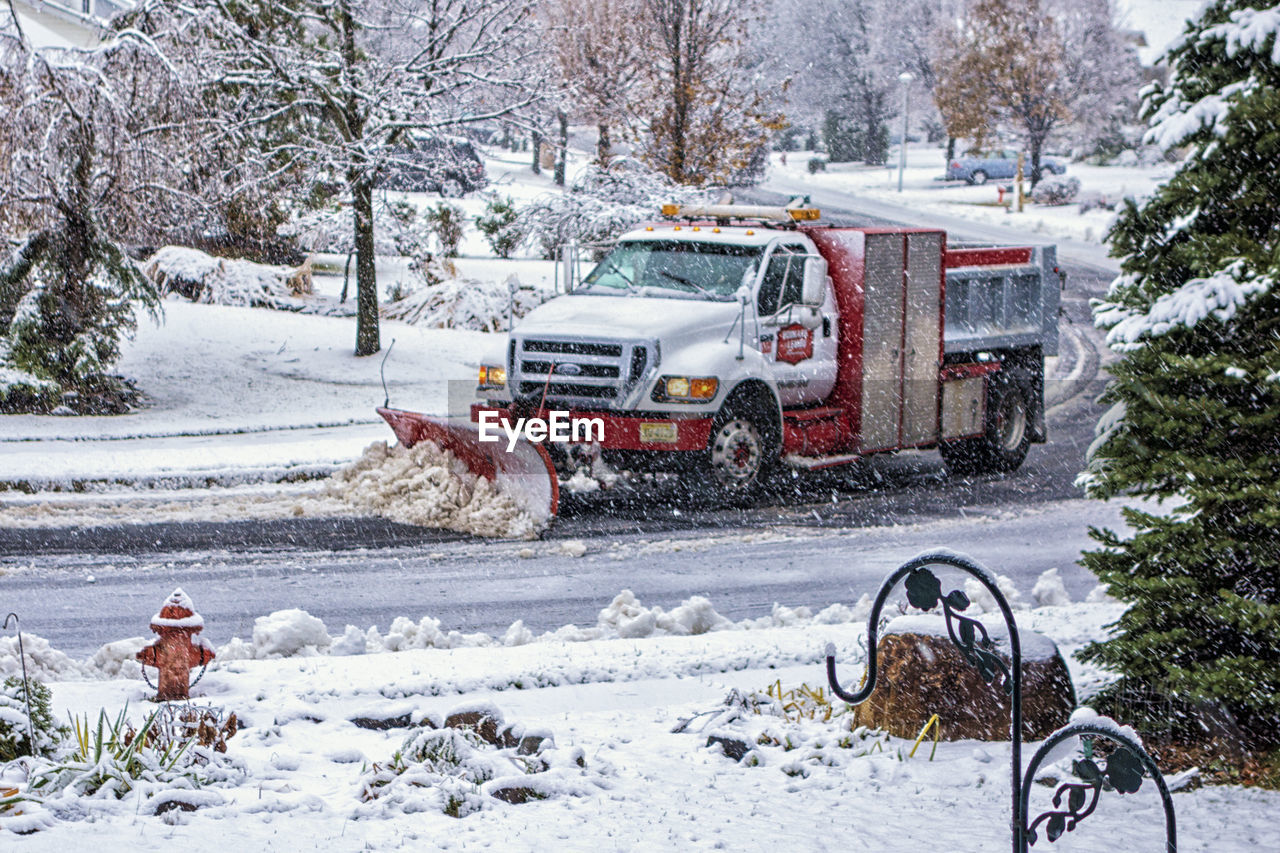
(79, 602)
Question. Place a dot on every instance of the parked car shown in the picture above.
(999, 165)
(450, 166)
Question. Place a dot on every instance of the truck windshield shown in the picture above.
(703, 270)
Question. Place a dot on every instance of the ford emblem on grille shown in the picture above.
(569, 369)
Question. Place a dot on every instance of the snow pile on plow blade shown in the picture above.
(524, 476)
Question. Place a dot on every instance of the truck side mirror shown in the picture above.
(567, 267)
(815, 281)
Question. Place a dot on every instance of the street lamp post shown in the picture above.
(905, 79)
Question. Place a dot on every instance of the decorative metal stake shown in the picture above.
(1122, 773)
(1124, 769)
(26, 685)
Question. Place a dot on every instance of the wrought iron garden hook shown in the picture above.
(1122, 772)
(924, 591)
(26, 685)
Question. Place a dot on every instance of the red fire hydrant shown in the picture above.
(177, 650)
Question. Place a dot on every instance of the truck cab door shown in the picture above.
(797, 340)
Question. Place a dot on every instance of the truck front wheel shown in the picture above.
(740, 452)
(1005, 441)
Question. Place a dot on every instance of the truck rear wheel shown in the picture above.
(1006, 439)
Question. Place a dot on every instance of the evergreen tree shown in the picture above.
(1195, 420)
(844, 144)
(90, 138)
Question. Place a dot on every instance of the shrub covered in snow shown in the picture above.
(498, 225)
(113, 760)
(463, 767)
(66, 302)
(446, 222)
(1096, 201)
(1145, 155)
(793, 730)
(600, 204)
(1056, 190)
(225, 281)
(465, 303)
(15, 737)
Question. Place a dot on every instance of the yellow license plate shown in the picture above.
(660, 432)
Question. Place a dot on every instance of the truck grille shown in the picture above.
(587, 374)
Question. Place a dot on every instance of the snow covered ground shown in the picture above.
(249, 394)
(607, 697)
(923, 193)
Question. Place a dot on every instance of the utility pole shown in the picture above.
(1018, 188)
(905, 79)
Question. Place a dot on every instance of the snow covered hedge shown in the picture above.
(1056, 190)
(465, 303)
(226, 281)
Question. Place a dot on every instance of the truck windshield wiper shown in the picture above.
(626, 279)
(687, 283)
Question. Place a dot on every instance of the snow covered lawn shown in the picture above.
(616, 776)
(238, 394)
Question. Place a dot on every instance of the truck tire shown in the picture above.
(742, 451)
(1006, 438)
(979, 177)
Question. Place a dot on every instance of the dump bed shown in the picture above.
(1001, 297)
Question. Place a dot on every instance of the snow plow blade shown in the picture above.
(526, 473)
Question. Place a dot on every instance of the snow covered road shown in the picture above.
(81, 601)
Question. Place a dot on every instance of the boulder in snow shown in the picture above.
(923, 673)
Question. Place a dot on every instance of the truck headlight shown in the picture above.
(492, 377)
(686, 389)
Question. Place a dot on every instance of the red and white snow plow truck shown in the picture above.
(736, 341)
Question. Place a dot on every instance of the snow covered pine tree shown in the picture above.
(1195, 419)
